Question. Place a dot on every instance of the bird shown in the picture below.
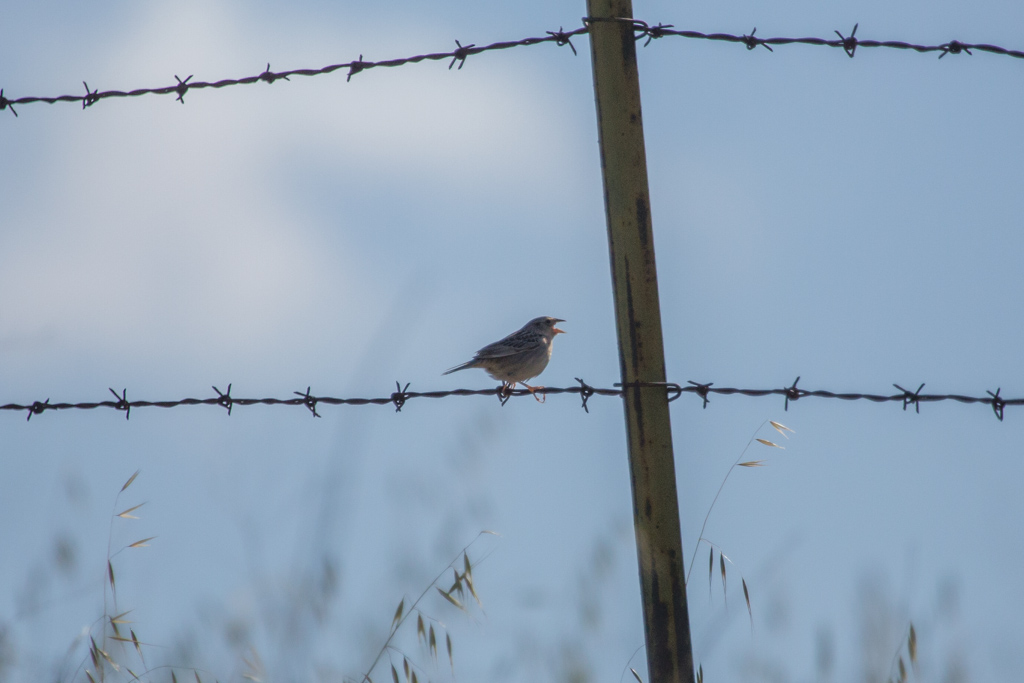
(518, 357)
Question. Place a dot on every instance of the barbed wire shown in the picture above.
(642, 29)
(458, 55)
(401, 395)
(849, 44)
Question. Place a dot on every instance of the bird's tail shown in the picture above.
(464, 366)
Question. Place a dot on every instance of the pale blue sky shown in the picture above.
(854, 222)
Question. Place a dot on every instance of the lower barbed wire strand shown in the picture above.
(584, 391)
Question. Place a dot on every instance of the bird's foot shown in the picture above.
(533, 390)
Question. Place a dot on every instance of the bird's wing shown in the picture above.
(516, 342)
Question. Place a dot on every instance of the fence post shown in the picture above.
(641, 353)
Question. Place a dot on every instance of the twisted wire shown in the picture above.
(401, 395)
(642, 30)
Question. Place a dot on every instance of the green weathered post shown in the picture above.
(641, 352)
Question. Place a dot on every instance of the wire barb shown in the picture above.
(91, 96)
(183, 87)
(701, 390)
(269, 76)
(399, 397)
(561, 39)
(36, 408)
(849, 44)
(461, 54)
(586, 391)
(225, 398)
(751, 42)
(357, 66)
(122, 402)
(997, 403)
(954, 47)
(7, 104)
(654, 32)
(307, 400)
(911, 397)
(792, 393)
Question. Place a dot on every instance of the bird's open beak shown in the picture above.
(555, 329)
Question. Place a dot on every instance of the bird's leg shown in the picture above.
(533, 390)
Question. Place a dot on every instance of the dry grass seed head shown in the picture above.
(752, 463)
(457, 584)
(120, 619)
(253, 665)
(721, 563)
(781, 428)
(746, 596)
(472, 590)
(127, 514)
(130, 480)
(451, 599)
(398, 614)
(138, 648)
(467, 574)
(636, 675)
(711, 567)
(766, 442)
(94, 654)
(106, 656)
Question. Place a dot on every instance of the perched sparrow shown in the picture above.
(518, 357)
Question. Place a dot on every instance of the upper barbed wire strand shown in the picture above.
(642, 29)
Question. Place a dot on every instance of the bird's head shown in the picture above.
(546, 325)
